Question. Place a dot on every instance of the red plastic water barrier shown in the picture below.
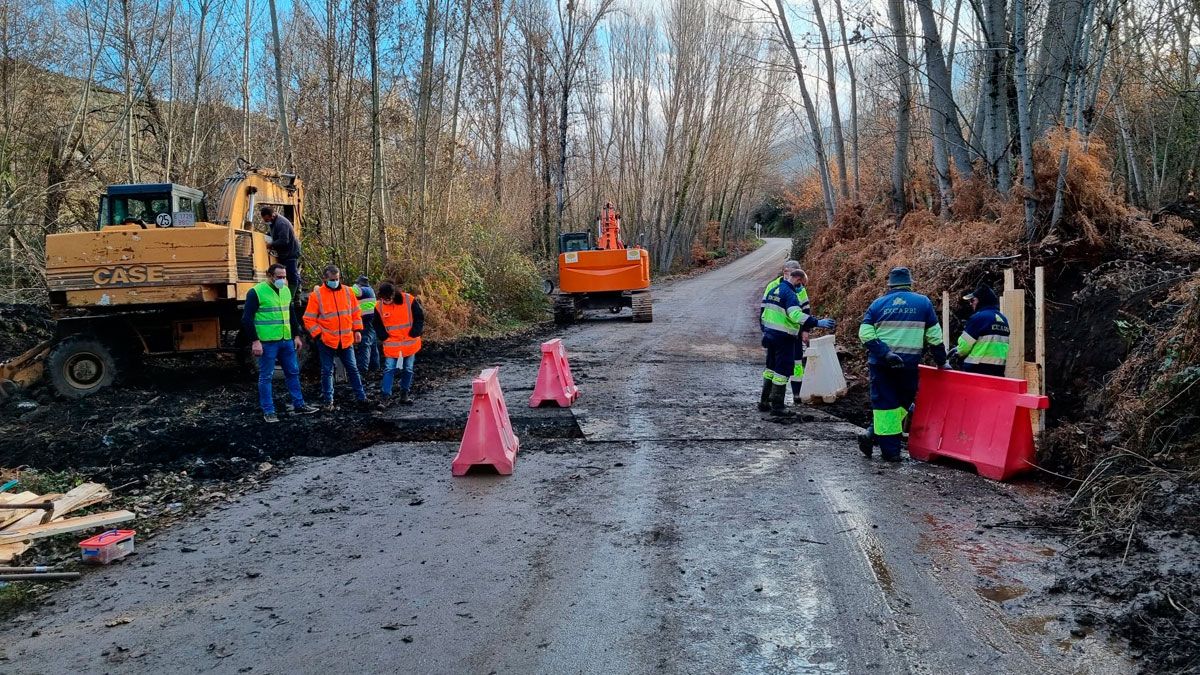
(974, 418)
(489, 437)
(554, 381)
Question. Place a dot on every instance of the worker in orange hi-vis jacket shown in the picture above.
(334, 321)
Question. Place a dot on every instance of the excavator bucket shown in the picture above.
(24, 370)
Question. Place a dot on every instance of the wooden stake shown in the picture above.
(946, 319)
(1039, 334)
(1010, 280)
(1015, 311)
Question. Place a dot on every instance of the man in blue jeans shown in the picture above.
(399, 323)
(366, 353)
(334, 320)
(269, 321)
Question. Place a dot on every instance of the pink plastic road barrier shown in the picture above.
(554, 381)
(974, 418)
(489, 437)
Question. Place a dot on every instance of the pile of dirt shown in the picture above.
(22, 327)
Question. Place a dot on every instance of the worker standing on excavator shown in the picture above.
(269, 322)
(896, 330)
(282, 240)
(334, 320)
(782, 321)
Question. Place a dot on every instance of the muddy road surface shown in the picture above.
(661, 525)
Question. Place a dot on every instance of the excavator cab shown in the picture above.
(151, 205)
(574, 241)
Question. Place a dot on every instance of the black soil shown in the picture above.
(201, 415)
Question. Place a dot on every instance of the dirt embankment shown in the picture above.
(1123, 366)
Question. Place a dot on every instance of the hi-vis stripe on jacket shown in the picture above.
(333, 316)
(782, 314)
(904, 322)
(985, 338)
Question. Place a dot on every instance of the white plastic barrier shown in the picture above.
(823, 378)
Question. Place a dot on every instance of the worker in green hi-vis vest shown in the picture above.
(367, 351)
(270, 324)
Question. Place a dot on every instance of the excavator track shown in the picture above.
(643, 309)
(564, 310)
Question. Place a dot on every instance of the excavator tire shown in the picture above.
(564, 310)
(80, 366)
(643, 308)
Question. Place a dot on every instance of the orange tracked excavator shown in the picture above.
(609, 275)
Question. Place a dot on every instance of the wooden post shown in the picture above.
(1010, 280)
(946, 319)
(1039, 336)
(1015, 311)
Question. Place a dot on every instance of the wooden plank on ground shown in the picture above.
(9, 517)
(79, 497)
(1015, 304)
(65, 526)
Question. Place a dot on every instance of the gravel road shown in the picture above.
(661, 525)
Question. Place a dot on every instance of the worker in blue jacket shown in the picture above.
(896, 330)
(782, 321)
(983, 345)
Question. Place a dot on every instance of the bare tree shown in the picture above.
(814, 126)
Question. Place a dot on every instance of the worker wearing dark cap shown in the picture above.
(983, 345)
(366, 353)
(896, 330)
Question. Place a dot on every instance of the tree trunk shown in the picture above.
(284, 131)
(997, 99)
(835, 117)
(814, 124)
(378, 188)
(853, 96)
(903, 109)
(1025, 126)
(246, 154)
(941, 92)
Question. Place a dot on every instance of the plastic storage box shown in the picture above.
(107, 546)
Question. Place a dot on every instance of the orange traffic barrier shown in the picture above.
(554, 381)
(978, 419)
(489, 437)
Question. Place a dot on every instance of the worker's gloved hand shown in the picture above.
(256, 348)
(952, 354)
(827, 324)
(945, 365)
(268, 239)
(893, 360)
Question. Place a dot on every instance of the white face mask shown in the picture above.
(281, 283)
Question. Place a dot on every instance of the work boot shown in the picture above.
(796, 392)
(866, 442)
(328, 406)
(764, 403)
(307, 409)
(405, 398)
(778, 409)
(270, 418)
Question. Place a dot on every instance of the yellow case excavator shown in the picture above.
(159, 275)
